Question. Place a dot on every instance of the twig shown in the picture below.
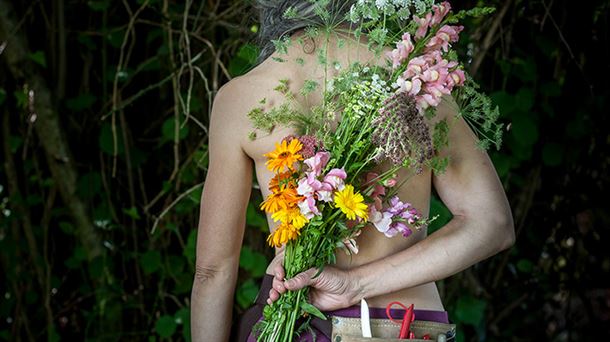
(115, 82)
(167, 209)
(487, 41)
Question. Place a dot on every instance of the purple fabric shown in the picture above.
(322, 328)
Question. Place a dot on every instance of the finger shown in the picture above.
(278, 285)
(273, 295)
(301, 280)
(278, 271)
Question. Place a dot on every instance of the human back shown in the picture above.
(259, 84)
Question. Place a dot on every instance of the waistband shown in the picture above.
(354, 310)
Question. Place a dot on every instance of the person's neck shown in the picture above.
(328, 40)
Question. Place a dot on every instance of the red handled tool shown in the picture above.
(405, 324)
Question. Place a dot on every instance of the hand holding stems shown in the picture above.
(332, 289)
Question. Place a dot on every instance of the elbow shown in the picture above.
(506, 228)
(206, 273)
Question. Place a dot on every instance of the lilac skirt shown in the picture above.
(322, 328)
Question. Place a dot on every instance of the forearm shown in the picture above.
(211, 305)
(456, 246)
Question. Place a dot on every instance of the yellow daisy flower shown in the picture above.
(284, 233)
(280, 179)
(284, 155)
(290, 215)
(284, 197)
(351, 204)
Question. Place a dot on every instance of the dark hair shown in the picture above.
(274, 26)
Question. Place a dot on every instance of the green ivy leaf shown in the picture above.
(470, 310)
(150, 261)
(166, 326)
(132, 212)
(255, 218)
(39, 58)
(81, 102)
(183, 316)
(106, 143)
(525, 266)
(191, 244)
(99, 5)
(524, 130)
(253, 262)
(552, 154)
(168, 133)
(246, 293)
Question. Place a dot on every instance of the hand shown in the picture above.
(332, 289)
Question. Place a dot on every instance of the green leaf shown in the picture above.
(525, 266)
(253, 262)
(313, 310)
(99, 5)
(86, 41)
(150, 261)
(166, 326)
(15, 142)
(524, 130)
(505, 101)
(256, 218)
(132, 212)
(168, 131)
(437, 207)
(106, 143)
(244, 59)
(470, 310)
(191, 244)
(89, 185)
(525, 99)
(66, 227)
(246, 293)
(183, 316)
(39, 58)
(552, 154)
(81, 102)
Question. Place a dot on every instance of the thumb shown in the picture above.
(301, 280)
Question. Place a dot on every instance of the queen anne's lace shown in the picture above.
(377, 9)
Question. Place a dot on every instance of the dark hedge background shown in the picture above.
(104, 108)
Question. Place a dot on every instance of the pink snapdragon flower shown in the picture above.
(443, 37)
(440, 11)
(318, 162)
(382, 220)
(422, 25)
(335, 178)
(313, 189)
(390, 221)
(403, 48)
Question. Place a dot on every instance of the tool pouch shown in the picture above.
(347, 329)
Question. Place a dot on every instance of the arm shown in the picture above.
(482, 223)
(221, 224)
(482, 226)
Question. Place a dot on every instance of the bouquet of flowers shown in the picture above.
(324, 191)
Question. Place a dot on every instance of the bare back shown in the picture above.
(373, 245)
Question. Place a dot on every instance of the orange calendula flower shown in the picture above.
(351, 204)
(284, 233)
(290, 215)
(280, 179)
(284, 156)
(284, 197)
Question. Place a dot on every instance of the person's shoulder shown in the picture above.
(243, 93)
